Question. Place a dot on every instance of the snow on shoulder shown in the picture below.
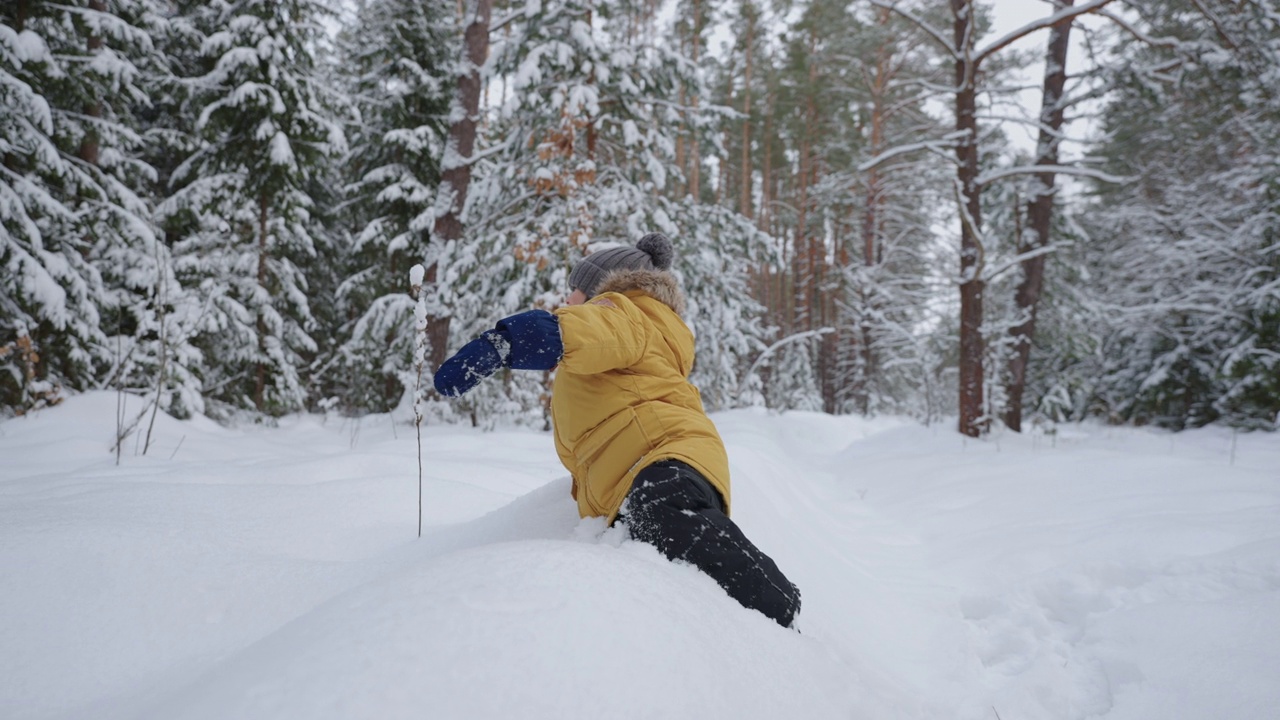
(585, 626)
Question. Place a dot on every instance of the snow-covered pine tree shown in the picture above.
(1063, 373)
(1003, 219)
(790, 381)
(579, 154)
(880, 195)
(266, 125)
(398, 67)
(87, 279)
(717, 250)
(839, 139)
(48, 315)
(1185, 281)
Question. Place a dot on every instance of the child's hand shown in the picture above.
(476, 361)
(527, 341)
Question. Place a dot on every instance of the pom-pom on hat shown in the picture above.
(653, 252)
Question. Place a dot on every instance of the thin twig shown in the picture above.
(418, 426)
(420, 358)
(120, 434)
(175, 450)
(164, 350)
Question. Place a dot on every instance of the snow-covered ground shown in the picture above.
(275, 573)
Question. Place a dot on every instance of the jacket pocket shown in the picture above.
(606, 454)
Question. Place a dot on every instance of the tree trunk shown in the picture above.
(806, 255)
(744, 199)
(814, 241)
(872, 221)
(20, 14)
(90, 145)
(766, 172)
(260, 372)
(455, 177)
(801, 256)
(1039, 216)
(723, 185)
(971, 284)
(695, 155)
(681, 187)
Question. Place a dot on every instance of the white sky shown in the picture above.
(1012, 14)
(1009, 15)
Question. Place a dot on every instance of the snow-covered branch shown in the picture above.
(1018, 260)
(1015, 35)
(507, 20)
(944, 143)
(1003, 173)
(783, 342)
(453, 160)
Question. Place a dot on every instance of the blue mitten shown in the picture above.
(528, 341)
(534, 338)
(476, 361)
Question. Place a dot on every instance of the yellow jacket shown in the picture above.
(622, 399)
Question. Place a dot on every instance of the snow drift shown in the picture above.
(274, 572)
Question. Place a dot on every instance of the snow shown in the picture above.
(274, 572)
(281, 151)
(28, 47)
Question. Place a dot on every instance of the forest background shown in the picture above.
(217, 205)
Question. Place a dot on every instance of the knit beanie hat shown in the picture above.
(653, 252)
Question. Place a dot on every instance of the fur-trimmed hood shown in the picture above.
(657, 284)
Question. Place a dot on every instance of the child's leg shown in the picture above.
(675, 509)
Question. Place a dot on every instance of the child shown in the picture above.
(628, 425)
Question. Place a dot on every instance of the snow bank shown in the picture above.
(274, 572)
(266, 575)
(535, 629)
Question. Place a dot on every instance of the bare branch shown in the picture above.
(920, 23)
(1136, 33)
(938, 88)
(1217, 25)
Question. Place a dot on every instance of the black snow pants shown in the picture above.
(672, 507)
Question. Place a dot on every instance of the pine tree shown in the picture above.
(1185, 285)
(398, 61)
(887, 199)
(974, 66)
(87, 279)
(579, 155)
(266, 127)
(839, 138)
